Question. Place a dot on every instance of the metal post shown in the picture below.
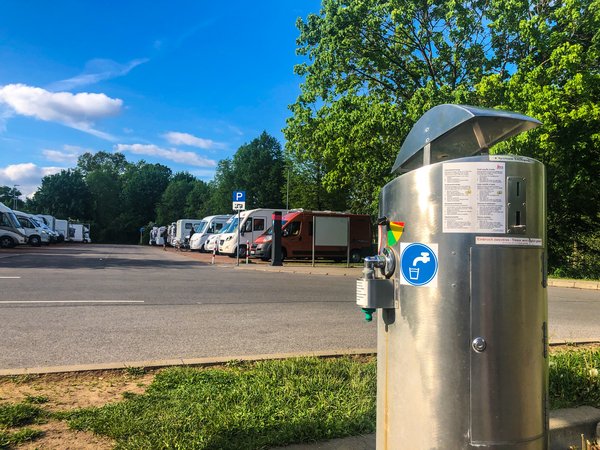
(247, 250)
(212, 261)
(237, 250)
(276, 240)
(348, 242)
(313, 240)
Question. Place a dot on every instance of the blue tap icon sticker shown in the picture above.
(419, 264)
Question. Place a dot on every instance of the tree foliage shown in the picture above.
(8, 195)
(64, 194)
(373, 67)
(258, 169)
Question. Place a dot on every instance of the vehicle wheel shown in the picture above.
(355, 256)
(6, 242)
(35, 241)
(242, 251)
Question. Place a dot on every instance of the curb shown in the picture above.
(213, 361)
(159, 363)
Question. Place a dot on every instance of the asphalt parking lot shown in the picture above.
(104, 304)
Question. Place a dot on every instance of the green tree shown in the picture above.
(173, 202)
(221, 188)
(373, 67)
(110, 162)
(63, 195)
(258, 169)
(304, 188)
(105, 191)
(558, 81)
(9, 194)
(197, 202)
(143, 186)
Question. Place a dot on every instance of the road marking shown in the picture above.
(69, 301)
(7, 278)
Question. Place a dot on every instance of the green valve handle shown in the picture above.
(368, 313)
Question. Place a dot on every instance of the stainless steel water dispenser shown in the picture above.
(459, 289)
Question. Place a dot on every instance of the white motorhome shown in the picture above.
(79, 232)
(152, 240)
(160, 238)
(36, 233)
(171, 230)
(11, 232)
(183, 231)
(254, 222)
(212, 243)
(47, 222)
(62, 228)
(210, 225)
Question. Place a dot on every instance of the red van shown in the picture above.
(297, 236)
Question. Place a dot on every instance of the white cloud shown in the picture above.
(74, 110)
(68, 154)
(189, 158)
(97, 70)
(176, 138)
(27, 175)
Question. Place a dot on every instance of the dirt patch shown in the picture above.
(554, 348)
(68, 391)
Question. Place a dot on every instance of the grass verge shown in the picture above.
(574, 377)
(242, 407)
(268, 403)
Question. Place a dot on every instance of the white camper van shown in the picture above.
(47, 222)
(209, 226)
(36, 233)
(79, 232)
(212, 243)
(183, 231)
(160, 237)
(11, 232)
(254, 222)
(62, 228)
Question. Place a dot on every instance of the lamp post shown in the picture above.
(15, 197)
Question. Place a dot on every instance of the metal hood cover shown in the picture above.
(455, 131)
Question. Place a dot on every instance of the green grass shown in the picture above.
(19, 414)
(575, 378)
(14, 415)
(9, 439)
(242, 406)
(254, 406)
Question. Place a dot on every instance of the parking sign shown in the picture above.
(239, 200)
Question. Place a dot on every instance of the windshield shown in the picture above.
(34, 222)
(14, 220)
(232, 226)
(200, 227)
(270, 229)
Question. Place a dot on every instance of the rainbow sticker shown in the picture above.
(395, 230)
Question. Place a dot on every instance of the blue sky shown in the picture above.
(179, 83)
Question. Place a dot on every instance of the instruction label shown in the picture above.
(510, 241)
(474, 198)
